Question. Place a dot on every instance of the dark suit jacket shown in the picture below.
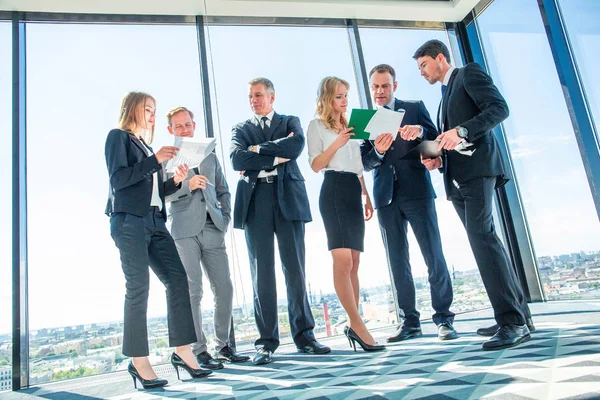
(291, 191)
(130, 171)
(414, 181)
(474, 102)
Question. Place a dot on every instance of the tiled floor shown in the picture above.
(562, 361)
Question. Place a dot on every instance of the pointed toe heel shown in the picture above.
(352, 336)
(177, 362)
(146, 383)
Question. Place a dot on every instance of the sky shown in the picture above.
(73, 99)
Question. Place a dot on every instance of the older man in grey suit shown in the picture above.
(200, 212)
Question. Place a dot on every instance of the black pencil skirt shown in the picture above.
(341, 208)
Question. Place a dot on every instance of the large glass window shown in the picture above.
(468, 287)
(288, 56)
(6, 207)
(581, 19)
(77, 75)
(557, 199)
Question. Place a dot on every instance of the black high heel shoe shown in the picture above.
(146, 383)
(177, 362)
(353, 338)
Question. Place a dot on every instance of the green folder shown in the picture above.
(359, 120)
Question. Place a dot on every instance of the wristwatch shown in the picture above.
(462, 132)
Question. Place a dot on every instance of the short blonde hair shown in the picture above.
(131, 114)
(326, 94)
(176, 110)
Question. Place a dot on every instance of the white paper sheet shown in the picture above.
(192, 151)
(384, 121)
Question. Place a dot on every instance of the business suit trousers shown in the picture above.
(206, 251)
(143, 242)
(473, 202)
(422, 217)
(264, 221)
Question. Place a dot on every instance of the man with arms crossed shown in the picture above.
(200, 212)
(271, 200)
(473, 167)
(404, 195)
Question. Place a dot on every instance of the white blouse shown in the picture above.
(346, 159)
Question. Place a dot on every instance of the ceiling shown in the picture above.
(395, 10)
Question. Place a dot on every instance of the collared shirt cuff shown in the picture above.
(422, 132)
(379, 154)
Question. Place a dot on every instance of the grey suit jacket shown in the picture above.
(187, 209)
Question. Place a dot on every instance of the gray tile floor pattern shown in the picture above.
(562, 361)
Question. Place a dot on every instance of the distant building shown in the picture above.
(5, 378)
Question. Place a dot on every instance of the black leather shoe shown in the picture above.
(405, 333)
(206, 361)
(263, 356)
(314, 347)
(446, 331)
(491, 330)
(177, 362)
(353, 339)
(507, 336)
(146, 383)
(229, 354)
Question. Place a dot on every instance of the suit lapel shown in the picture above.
(274, 124)
(445, 100)
(397, 104)
(139, 144)
(256, 128)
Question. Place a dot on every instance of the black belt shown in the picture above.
(267, 179)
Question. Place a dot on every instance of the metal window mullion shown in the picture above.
(579, 112)
(208, 117)
(20, 337)
(358, 61)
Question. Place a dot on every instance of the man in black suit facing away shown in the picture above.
(473, 167)
(404, 195)
(271, 200)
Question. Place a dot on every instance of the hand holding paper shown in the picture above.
(192, 152)
(343, 137)
(384, 121)
(369, 124)
(166, 153)
(383, 142)
(181, 173)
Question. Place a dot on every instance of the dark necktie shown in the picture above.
(440, 111)
(267, 131)
(265, 128)
(386, 107)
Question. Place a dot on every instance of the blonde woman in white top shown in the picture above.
(330, 150)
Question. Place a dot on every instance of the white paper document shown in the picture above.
(384, 121)
(192, 151)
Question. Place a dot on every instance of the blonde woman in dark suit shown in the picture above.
(136, 206)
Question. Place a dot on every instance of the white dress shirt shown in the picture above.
(155, 201)
(346, 159)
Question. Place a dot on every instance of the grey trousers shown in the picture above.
(206, 251)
